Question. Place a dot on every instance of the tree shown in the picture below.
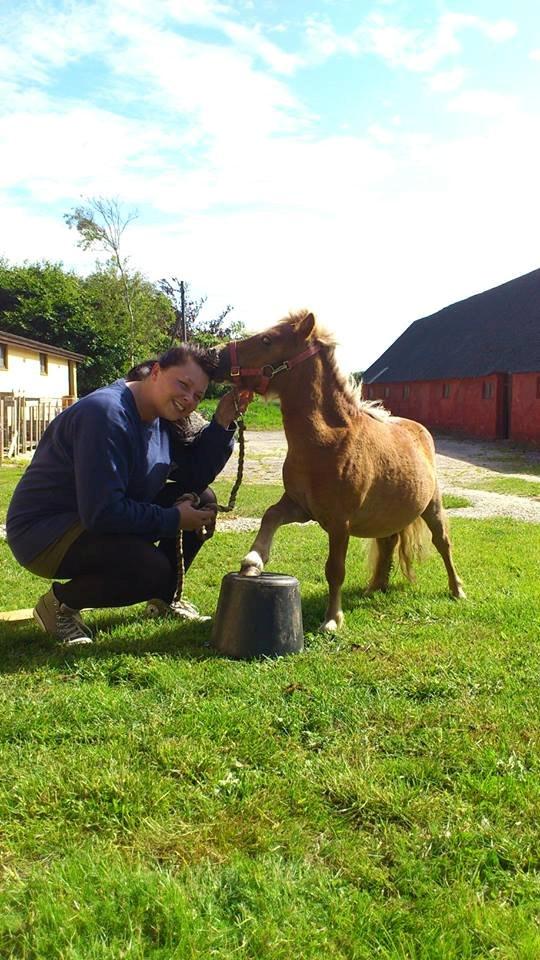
(187, 326)
(44, 302)
(155, 315)
(101, 223)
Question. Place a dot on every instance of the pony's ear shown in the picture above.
(306, 326)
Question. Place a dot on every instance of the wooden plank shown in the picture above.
(16, 616)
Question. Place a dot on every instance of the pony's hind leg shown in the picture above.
(435, 518)
(284, 511)
(383, 552)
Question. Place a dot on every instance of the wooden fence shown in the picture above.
(23, 421)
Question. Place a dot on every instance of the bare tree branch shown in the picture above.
(102, 223)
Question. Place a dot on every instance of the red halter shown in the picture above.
(238, 372)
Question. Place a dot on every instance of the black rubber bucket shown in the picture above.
(258, 616)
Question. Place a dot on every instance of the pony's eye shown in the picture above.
(266, 340)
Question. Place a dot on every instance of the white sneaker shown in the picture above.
(61, 621)
(182, 609)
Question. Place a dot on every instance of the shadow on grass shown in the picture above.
(499, 456)
(25, 648)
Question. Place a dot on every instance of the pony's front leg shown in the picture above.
(335, 575)
(284, 511)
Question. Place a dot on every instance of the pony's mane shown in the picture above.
(346, 382)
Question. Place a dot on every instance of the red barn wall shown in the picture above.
(465, 410)
(525, 415)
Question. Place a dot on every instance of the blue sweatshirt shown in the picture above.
(100, 464)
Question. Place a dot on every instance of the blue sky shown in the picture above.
(373, 161)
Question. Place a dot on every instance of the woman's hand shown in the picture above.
(193, 519)
(231, 405)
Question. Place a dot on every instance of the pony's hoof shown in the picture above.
(250, 571)
(460, 595)
(251, 565)
(374, 588)
(332, 625)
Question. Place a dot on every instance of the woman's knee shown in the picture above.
(207, 497)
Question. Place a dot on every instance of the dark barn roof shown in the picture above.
(493, 332)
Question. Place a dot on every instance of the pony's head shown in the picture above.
(254, 362)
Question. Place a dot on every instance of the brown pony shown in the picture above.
(350, 465)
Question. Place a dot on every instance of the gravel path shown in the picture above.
(459, 463)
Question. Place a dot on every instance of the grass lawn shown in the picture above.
(455, 501)
(374, 797)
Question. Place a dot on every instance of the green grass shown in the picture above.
(452, 500)
(374, 797)
(253, 499)
(9, 476)
(260, 415)
(512, 485)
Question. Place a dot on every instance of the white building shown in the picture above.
(36, 382)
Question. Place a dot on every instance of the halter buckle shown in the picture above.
(235, 371)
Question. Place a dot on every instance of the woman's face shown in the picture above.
(178, 390)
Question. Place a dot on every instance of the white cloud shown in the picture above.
(534, 55)
(421, 51)
(415, 49)
(195, 11)
(41, 39)
(483, 103)
(500, 31)
(448, 80)
(381, 134)
(214, 86)
(252, 41)
(323, 41)
(81, 150)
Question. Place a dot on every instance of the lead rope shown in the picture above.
(220, 509)
(240, 469)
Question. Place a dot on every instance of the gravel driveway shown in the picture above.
(460, 463)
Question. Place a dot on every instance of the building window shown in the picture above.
(406, 391)
(487, 390)
(446, 390)
(370, 393)
(43, 364)
(3, 356)
(387, 392)
(538, 388)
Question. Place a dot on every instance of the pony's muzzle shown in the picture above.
(221, 358)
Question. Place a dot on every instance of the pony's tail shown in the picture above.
(413, 546)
